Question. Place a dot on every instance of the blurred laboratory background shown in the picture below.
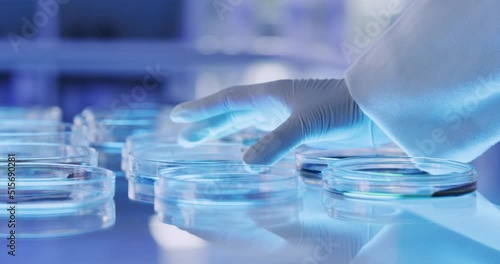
(79, 53)
(118, 53)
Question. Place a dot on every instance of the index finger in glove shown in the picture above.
(235, 98)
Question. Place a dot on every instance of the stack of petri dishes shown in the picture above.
(52, 185)
(108, 129)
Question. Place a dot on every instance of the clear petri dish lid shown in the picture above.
(144, 164)
(310, 163)
(228, 193)
(135, 142)
(397, 211)
(151, 159)
(43, 132)
(48, 153)
(51, 113)
(106, 126)
(229, 184)
(47, 188)
(399, 177)
(86, 218)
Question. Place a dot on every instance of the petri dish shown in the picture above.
(145, 164)
(56, 199)
(398, 211)
(219, 195)
(109, 129)
(115, 126)
(144, 140)
(48, 153)
(310, 163)
(86, 218)
(399, 177)
(43, 132)
(51, 113)
(44, 188)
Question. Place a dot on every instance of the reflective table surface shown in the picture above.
(317, 228)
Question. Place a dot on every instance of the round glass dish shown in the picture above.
(230, 193)
(145, 164)
(106, 126)
(43, 132)
(85, 219)
(48, 153)
(109, 129)
(145, 140)
(396, 211)
(310, 163)
(399, 177)
(44, 188)
(51, 113)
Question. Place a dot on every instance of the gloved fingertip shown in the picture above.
(249, 157)
(259, 154)
(180, 115)
(186, 143)
(192, 137)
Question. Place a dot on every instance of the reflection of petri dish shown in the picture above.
(52, 113)
(43, 188)
(227, 194)
(43, 132)
(399, 177)
(395, 211)
(84, 219)
(145, 164)
(48, 153)
(310, 163)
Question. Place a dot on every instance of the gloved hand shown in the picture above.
(299, 111)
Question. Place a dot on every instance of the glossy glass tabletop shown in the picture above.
(317, 228)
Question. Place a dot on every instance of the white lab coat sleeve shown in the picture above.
(432, 82)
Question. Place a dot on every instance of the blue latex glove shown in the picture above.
(299, 111)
